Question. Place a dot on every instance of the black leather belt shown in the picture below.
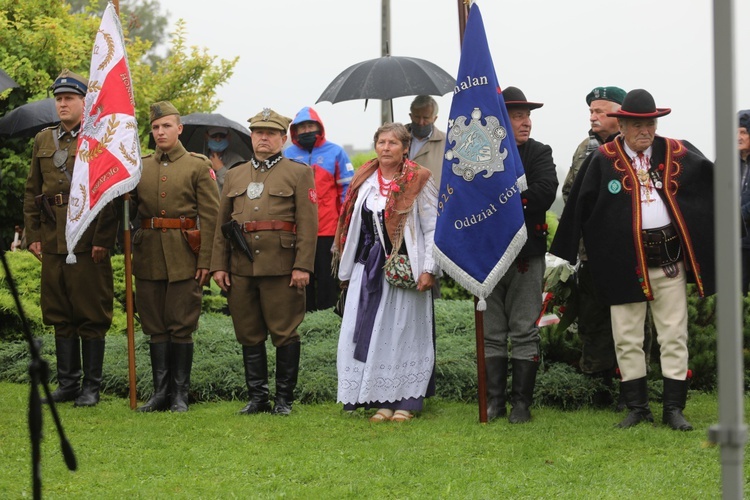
(662, 246)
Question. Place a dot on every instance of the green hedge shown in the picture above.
(218, 371)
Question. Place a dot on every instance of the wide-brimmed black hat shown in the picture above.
(639, 103)
(515, 98)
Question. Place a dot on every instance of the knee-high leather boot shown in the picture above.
(522, 390)
(635, 393)
(93, 360)
(181, 356)
(287, 369)
(496, 368)
(256, 377)
(68, 353)
(675, 395)
(160, 372)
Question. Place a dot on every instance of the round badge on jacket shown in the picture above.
(614, 186)
(254, 190)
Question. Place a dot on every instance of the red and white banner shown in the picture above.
(108, 163)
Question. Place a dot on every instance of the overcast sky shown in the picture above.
(555, 51)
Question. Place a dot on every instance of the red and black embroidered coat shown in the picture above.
(605, 208)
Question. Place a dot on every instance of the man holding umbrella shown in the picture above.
(76, 299)
(221, 156)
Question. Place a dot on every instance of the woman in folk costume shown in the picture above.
(386, 353)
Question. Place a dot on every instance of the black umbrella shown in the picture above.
(388, 77)
(6, 82)
(28, 119)
(195, 125)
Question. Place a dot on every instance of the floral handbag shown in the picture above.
(398, 273)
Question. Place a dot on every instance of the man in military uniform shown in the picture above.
(76, 298)
(176, 196)
(598, 358)
(269, 208)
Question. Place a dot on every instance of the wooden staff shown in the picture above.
(463, 14)
(128, 285)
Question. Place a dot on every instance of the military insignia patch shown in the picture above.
(313, 195)
(212, 173)
(476, 146)
(254, 190)
(266, 113)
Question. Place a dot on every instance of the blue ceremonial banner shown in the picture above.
(480, 226)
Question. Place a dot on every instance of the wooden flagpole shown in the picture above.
(463, 14)
(128, 285)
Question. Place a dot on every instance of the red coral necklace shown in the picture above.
(385, 186)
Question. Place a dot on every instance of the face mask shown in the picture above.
(218, 146)
(307, 140)
(421, 131)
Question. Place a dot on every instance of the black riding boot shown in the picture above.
(635, 393)
(675, 395)
(256, 377)
(522, 390)
(287, 369)
(68, 353)
(181, 357)
(160, 372)
(496, 368)
(93, 359)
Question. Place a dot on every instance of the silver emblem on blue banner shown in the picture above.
(476, 146)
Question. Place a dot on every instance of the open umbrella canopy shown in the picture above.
(28, 119)
(6, 82)
(195, 125)
(388, 77)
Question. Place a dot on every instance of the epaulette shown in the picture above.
(49, 128)
(148, 155)
(198, 155)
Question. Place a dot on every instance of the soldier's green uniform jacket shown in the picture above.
(45, 178)
(288, 195)
(174, 183)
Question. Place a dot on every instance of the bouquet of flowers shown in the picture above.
(562, 292)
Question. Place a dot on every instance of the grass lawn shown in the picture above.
(322, 452)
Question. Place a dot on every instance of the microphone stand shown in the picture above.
(39, 374)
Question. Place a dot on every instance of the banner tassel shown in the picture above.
(71, 259)
(481, 304)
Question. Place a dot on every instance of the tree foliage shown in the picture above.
(40, 37)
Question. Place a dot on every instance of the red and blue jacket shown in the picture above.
(332, 168)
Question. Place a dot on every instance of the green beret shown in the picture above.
(613, 94)
(70, 82)
(161, 109)
(269, 118)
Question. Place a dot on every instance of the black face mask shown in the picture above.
(421, 131)
(307, 140)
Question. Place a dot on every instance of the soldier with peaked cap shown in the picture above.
(76, 298)
(177, 202)
(644, 206)
(272, 203)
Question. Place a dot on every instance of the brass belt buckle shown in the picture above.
(58, 199)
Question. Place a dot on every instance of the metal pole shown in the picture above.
(730, 433)
(386, 106)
